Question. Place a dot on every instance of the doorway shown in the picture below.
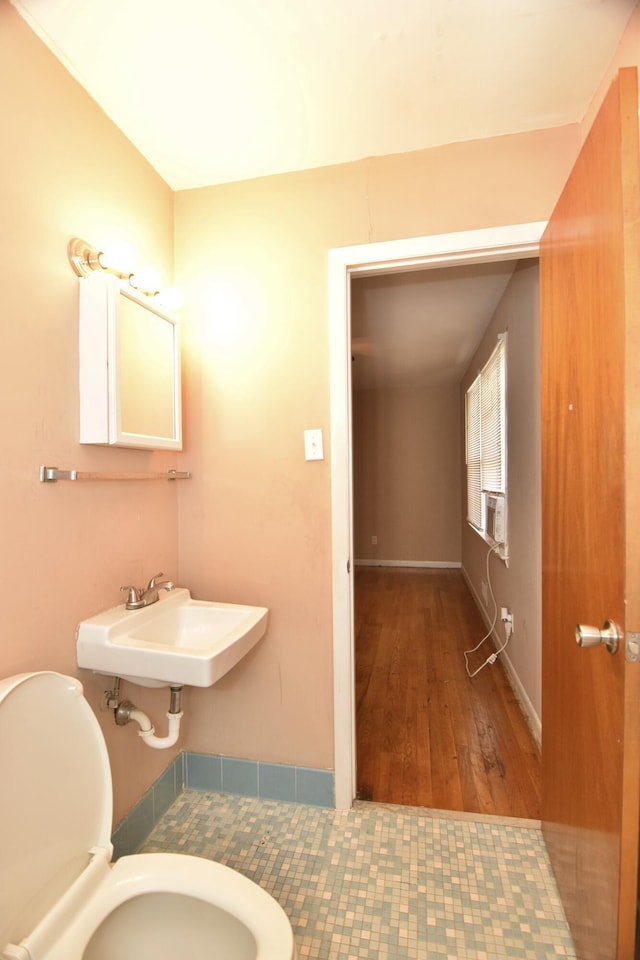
(428, 733)
(506, 243)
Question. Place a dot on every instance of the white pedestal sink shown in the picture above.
(176, 640)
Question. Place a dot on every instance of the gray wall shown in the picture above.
(518, 585)
(406, 462)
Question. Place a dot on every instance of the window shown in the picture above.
(486, 442)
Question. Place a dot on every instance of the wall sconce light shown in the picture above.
(118, 260)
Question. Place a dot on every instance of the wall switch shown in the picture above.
(313, 445)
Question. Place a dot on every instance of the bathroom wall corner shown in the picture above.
(129, 835)
(217, 774)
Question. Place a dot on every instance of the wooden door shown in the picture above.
(590, 315)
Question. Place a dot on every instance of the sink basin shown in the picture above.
(176, 640)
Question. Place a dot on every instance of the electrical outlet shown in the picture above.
(507, 619)
(374, 540)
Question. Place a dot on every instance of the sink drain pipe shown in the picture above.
(126, 711)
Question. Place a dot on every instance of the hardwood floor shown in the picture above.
(427, 734)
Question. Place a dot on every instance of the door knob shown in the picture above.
(610, 636)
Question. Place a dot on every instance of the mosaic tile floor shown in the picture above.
(390, 883)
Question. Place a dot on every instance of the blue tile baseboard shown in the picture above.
(217, 774)
(253, 778)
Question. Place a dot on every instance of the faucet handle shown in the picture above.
(152, 582)
(134, 594)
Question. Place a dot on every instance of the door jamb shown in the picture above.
(417, 253)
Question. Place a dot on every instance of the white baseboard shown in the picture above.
(529, 713)
(446, 564)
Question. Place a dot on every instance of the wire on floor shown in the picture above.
(492, 656)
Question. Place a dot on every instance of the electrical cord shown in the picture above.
(493, 656)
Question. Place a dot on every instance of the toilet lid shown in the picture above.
(56, 795)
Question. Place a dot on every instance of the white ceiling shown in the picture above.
(218, 90)
(422, 329)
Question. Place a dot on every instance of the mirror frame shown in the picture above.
(99, 345)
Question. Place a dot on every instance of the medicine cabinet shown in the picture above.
(130, 392)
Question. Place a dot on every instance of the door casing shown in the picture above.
(512, 242)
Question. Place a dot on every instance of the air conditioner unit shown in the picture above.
(495, 516)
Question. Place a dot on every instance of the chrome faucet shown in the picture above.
(139, 597)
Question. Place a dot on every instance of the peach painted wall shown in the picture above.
(518, 586)
(65, 170)
(406, 474)
(255, 522)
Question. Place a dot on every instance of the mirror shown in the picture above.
(129, 368)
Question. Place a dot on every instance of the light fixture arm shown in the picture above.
(85, 260)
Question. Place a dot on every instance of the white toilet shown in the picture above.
(60, 897)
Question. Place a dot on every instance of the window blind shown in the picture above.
(485, 434)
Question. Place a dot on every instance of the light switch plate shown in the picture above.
(313, 445)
